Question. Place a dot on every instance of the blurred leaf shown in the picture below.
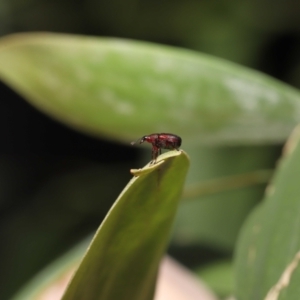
(60, 211)
(123, 258)
(215, 220)
(124, 89)
(50, 282)
(267, 257)
(218, 276)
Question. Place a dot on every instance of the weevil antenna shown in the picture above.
(132, 143)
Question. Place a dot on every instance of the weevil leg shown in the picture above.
(152, 157)
(154, 154)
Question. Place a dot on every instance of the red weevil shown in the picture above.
(160, 141)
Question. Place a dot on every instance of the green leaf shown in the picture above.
(215, 220)
(268, 257)
(218, 276)
(124, 89)
(50, 282)
(123, 258)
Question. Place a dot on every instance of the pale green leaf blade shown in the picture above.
(124, 89)
(123, 258)
(51, 281)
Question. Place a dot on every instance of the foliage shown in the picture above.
(121, 90)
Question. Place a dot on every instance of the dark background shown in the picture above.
(49, 174)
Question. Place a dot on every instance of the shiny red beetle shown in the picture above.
(160, 141)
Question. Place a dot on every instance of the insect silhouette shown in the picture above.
(160, 141)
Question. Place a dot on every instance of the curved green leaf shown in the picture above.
(215, 220)
(218, 276)
(124, 89)
(51, 281)
(123, 258)
(268, 252)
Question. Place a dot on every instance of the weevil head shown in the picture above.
(142, 140)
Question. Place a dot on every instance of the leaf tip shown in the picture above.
(147, 169)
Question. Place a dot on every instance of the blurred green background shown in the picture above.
(49, 174)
